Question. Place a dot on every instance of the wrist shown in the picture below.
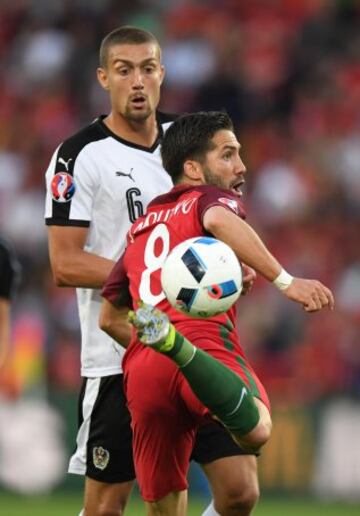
(283, 280)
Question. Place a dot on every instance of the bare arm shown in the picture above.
(245, 242)
(71, 265)
(251, 250)
(114, 321)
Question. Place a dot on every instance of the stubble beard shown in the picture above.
(213, 180)
(137, 116)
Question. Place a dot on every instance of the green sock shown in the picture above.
(221, 390)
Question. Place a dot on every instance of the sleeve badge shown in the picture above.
(62, 187)
(231, 203)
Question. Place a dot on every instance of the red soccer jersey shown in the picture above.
(170, 219)
(165, 413)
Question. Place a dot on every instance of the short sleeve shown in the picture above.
(70, 189)
(116, 288)
(213, 196)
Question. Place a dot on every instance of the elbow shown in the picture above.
(60, 275)
(105, 323)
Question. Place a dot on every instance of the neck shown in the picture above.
(189, 181)
(140, 132)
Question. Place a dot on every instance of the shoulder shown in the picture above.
(166, 118)
(78, 149)
(215, 196)
(72, 146)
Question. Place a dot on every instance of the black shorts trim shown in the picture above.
(109, 446)
(214, 442)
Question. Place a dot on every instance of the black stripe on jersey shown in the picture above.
(165, 118)
(161, 118)
(68, 152)
(68, 222)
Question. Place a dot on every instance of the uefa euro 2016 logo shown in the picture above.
(62, 187)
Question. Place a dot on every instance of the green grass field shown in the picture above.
(69, 505)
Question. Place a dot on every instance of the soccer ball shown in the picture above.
(202, 277)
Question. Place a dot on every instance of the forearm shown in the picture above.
(114, 322)
(120, 333)
(81, 269)
(250, 249)
(245, 242)
(71, 265)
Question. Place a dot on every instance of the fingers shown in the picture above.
(312, 294)
(321, 297)
(249, 276)
(330, 298)
(247, 286)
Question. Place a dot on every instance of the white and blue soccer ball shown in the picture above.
(202, 277)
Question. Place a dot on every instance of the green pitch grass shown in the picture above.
(65, 504)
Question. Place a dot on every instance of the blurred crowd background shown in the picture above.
(288, 73)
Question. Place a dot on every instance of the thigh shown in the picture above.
(233, 477)
(174, 504)
(101, 496)
(163, 427)
(105, 436)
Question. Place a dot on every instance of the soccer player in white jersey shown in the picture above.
(98, 182)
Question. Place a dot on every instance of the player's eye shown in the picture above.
(123, 71)
(149, 69)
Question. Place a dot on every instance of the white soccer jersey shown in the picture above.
(96, 179)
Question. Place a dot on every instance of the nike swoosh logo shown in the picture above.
(242, 396)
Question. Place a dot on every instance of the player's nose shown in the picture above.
(240, 168)
(138, 82)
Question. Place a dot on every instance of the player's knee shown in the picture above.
(237, 500)
(261, 433)
(110, 510)
(257, 437)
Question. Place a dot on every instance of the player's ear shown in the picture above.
(102, 78)
(162, 73)
(193, 170)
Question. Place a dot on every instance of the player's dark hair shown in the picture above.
(189, 137)
(126, 35)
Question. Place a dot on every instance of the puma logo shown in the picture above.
(119, 173)
(66, 163)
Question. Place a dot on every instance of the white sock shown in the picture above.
(210, 510)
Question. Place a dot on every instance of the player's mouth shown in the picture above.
(236, 187)
(138, 101)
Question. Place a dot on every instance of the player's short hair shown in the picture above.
(189, 137)
(126, 35)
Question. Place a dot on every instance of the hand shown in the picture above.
(312, 294)
(249, 276)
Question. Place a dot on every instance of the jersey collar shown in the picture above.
(105, 129)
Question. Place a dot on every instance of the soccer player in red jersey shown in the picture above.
(201, 368)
